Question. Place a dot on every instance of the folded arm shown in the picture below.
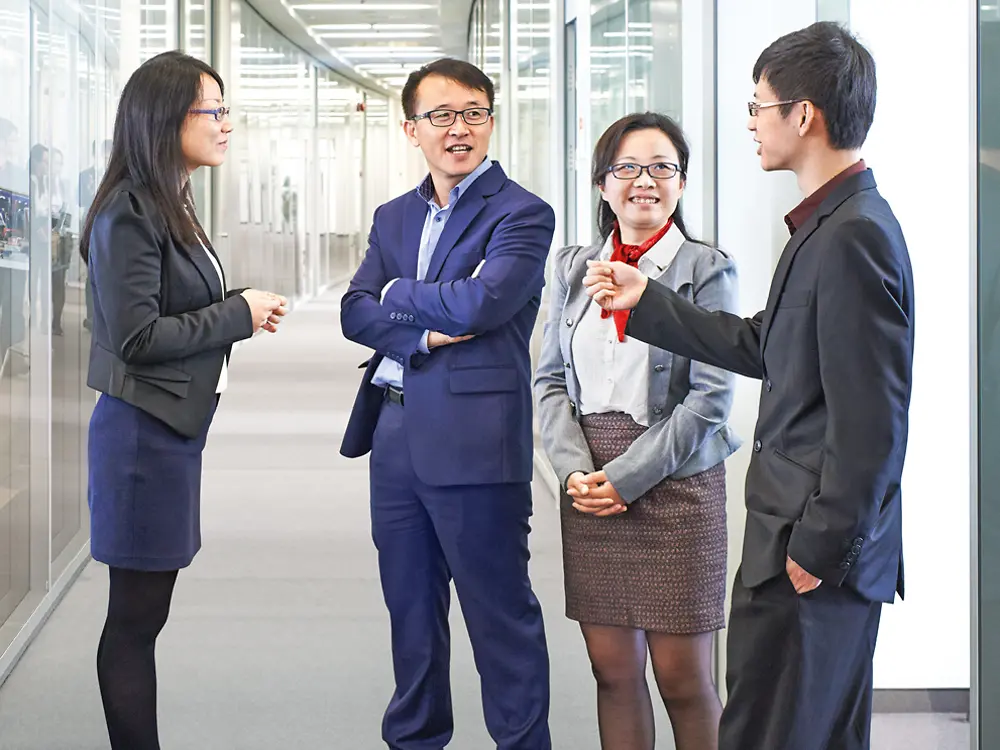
(365, 321)
(513, 273)
(562, 437)
(670, 443)
(668, 321)
(125, 261)
(865, 353)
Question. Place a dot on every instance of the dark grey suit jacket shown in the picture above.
(162, 325)
(834, 349)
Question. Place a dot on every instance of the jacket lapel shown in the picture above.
(468, 207)
(414, 216)
(851, 186)
(199, 256)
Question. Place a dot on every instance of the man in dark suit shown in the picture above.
(447, 296)
(833, 348)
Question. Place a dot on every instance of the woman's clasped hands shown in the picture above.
(266, 308)
(594, 494)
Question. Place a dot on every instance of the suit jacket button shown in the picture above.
(569, 321)
(658, 368)
(757, 446)
(392, 316)
(567, 365)
(845, 565)
(859, 540)
(856, 549)
(657, 410)
(410, 318)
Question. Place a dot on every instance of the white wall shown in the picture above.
(919, 151)
(751, 205)
(920, 156)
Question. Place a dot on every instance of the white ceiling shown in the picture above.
(375, 42)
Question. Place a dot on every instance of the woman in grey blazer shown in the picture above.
(638, 437)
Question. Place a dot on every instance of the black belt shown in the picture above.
(394, 394)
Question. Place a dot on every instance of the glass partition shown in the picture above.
(63, 65)
(987, 641)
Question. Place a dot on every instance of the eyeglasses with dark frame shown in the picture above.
(756, 107)
(218, 113)
(445, 118)
(661, 170)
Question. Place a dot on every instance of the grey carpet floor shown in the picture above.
(278, 637)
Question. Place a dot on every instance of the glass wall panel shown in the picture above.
(608, 54)
(62, 64)
(15, 69)
(988, 594)
(533, 97)
(196, 38)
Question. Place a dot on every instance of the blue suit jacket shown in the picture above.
(468, 405)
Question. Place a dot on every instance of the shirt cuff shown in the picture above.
(385, 290)
(422, 346)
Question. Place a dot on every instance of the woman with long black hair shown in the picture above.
(164, 325)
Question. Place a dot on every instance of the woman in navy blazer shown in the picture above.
(163, 329)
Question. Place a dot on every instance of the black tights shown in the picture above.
(126, 667)
(682, 666)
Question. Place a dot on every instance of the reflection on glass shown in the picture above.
(61, 62)
(534, 94)
(989, 376)
(607, 64)
(14, 280)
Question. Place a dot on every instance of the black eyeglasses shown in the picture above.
(445, 118)
(218, 113)
(661, 170)
(756, 107)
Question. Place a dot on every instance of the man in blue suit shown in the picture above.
(447, 296)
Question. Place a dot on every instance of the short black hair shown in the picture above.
(827, 65)
(459, 71)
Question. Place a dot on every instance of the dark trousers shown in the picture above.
(477, 536)
(799, 670)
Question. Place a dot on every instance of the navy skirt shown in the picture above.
(145, 489)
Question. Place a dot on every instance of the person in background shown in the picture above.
(164, 324)
(638, 437)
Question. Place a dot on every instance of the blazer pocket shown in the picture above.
(483, 380)
(799, 464)
(166, 378)
(794, 298)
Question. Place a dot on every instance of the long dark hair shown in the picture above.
(606, 151)
(147, 142)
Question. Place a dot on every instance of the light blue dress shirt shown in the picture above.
(389, 371)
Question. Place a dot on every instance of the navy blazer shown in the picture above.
(162, 325)
(468, 405)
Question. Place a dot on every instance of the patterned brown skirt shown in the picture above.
(661, 565)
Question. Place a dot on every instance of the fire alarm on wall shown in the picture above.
(360, 107)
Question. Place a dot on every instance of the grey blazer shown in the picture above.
(689, 401)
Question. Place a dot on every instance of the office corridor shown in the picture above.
(278, 637)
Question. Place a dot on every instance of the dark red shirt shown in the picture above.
(801, 213)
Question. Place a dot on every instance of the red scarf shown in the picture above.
(630, 254)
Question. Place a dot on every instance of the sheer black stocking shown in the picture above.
(624, 709)
(138, 605)
(682, 665)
